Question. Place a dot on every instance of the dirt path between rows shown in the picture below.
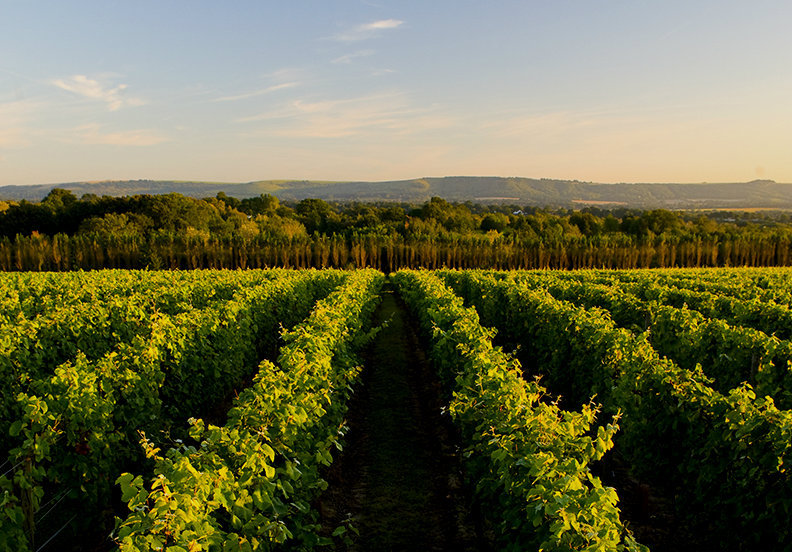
(399, 477)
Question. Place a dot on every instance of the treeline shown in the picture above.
(63, 232)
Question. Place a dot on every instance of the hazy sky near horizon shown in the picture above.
(605, 91)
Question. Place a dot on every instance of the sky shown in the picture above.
(598, 91)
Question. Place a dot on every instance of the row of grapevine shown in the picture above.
(77, 425)
(31, 349)
(743, 307)
(767, 316)
(528, 459)
(728, 354)
(93, 313)
(31, 294)
(724, 457)
(249, 484)
(766, 284)
(126, 308)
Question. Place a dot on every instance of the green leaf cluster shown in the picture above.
(73, 426)
(724, 455)
(249, 484)
(530, 459)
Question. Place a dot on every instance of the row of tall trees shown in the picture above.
(176, 232)
(180, 251)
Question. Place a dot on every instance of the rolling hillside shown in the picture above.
(520, 191)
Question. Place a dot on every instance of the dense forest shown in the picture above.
(64, 232)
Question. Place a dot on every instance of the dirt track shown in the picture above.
(399, 476)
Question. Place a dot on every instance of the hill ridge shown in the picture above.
(489, 189)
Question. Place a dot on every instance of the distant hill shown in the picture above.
(521, 191)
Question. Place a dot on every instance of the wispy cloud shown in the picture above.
(511, 124)
(255, 93)
(16, 117)
(95, 90)
(94, 134)
(382, 24)
(13, 137)
(286, 74)
(367, 30)
(390, 113)
(348, 58)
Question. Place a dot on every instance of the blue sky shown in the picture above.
(604, 91)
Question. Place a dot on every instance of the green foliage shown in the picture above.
(249, 484)
(494, 221)
(91, 360)
(74, 422)
(173, 231)
(724, 455)
(529, 459)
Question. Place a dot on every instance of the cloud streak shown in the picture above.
(86, 87)
(362, 116)
(367, 30)
(94, 135)
(348, 58)
(256, 93)
(16, 117)
(382, 24)
(512, 124)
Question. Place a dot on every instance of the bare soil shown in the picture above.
(399, 480)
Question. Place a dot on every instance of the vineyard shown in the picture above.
(210, 410)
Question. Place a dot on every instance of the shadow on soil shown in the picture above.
(399, 479)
